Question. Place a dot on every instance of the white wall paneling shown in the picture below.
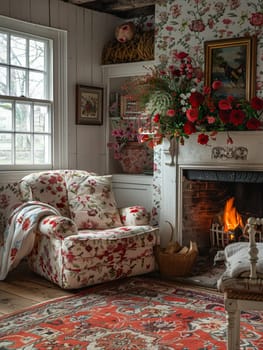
(88, 31)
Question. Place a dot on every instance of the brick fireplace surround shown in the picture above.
(195, 188)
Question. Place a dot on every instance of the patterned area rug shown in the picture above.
(139, 313)
(205, 273)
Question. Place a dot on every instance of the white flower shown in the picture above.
(183, 96)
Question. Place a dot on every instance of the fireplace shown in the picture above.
(208, 195)
(196, 183)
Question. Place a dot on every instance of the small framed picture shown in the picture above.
(233, 62)
(129, 107)
(89, 105)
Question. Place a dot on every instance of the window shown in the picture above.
(32, 111)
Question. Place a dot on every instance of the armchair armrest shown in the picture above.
(134, 215)
(57, 226)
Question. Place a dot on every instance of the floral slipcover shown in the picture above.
(75, 258)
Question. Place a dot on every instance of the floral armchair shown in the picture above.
(81, 237)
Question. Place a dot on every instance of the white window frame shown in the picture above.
(60, 93)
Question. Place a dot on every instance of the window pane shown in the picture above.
(18, 82)
(42, 149)
(3, 48)
(3, 81)
(18, 51)
(23, 117)
(36, 85)
(41, 119)
(5, 116)
(5, 148)
(37, 55)
(23, 153)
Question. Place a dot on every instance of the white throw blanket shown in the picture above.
(237, 259)
(20, 233)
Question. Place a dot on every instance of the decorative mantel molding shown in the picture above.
(226, 153)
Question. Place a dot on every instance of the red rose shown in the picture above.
(253, 124)
(224, 116)
(256, 19)
(170, 113)
(189, 128)
(237, 117)
(224, 105)
(230, 99)
(181, 55)
(176, 72)
(256, 103)
(192, 114)
(196, 99)
(217, 84)
(203, 139)
(156, 118)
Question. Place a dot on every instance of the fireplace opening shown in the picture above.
(205, 195)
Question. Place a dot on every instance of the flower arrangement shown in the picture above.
(178, 105)
(123, 131)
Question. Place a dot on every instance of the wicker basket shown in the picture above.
(177, 264)
(140, 48)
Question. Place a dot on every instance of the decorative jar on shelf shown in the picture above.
(136, 158)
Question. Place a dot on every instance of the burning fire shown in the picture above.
(232, 219)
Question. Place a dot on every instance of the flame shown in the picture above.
(232, 219)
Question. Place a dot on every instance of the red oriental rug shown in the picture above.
(136, 314)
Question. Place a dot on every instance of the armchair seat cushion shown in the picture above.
(95, 257)
(89, 244)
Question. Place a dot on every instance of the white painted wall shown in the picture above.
(88, 31)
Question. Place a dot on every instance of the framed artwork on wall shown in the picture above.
(89, 105)
(233, 62)
(129, 107)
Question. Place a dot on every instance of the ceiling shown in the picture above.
(120, 8)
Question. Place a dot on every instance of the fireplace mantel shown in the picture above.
(244, 154)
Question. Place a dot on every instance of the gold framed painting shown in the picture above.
(233, 62)
(89, 105)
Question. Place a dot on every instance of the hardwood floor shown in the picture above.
(23, 288)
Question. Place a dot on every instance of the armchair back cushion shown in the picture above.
(91, 202)
(49, 187)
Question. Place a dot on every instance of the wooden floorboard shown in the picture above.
(23, 288)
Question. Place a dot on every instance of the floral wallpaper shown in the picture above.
(184, 25)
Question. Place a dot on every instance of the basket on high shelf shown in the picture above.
(174, 260)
